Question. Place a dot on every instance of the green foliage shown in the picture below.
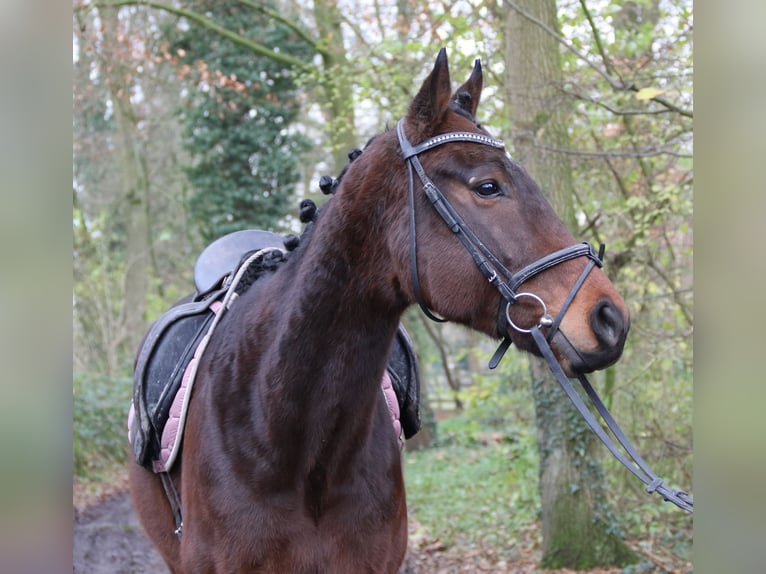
(474, 494)
(479, 485)
(98, 311)
(499, 407)
(481, 482)
(239, 122)
(635, 193)
(100, 424)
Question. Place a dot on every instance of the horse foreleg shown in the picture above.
(155, 514)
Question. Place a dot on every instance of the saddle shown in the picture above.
(167, 360)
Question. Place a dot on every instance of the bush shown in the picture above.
(100, 423)
(498, 408)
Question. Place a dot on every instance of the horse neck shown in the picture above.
(341, 292)
(331, 319)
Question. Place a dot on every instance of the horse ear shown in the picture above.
(468, 95)
(432, 101)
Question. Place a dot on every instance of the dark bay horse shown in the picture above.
(289, 461)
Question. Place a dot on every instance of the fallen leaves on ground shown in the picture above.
(430, 555)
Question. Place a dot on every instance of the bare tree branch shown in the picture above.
(451, 382)
(615, 111)
(597, 39)
(255, 47)
(615, 84)
(568, 45)
(285, 22)
(641, 153)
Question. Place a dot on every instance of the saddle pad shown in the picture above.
(400, 386)
(170, 414)
(405, 380)
(168, 358)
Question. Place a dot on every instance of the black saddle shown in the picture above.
(222, 257)
(171, 342)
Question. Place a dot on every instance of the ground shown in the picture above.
(109, 540)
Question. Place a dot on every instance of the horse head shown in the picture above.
(502, 206)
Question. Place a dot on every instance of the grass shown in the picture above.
(478, 489)
(470, 495)
(476, 494)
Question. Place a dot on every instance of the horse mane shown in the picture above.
(461, 104)
(309, 213)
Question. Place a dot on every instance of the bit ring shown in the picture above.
(545, 320)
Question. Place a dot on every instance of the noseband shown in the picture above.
(507, 284)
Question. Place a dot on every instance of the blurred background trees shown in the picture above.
(239, 115)
(195, 118)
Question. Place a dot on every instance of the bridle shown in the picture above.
(489, 265)
(507, 284)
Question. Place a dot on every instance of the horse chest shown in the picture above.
(322, 529)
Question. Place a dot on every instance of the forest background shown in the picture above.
(194, 119)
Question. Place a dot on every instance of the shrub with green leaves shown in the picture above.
(100, 423)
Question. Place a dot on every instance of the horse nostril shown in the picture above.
(607, 323)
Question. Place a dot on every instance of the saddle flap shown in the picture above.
(165, 353)
(403, 370)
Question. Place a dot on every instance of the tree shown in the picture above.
(101, 304)
(126, 183)
(135, 179)
(239, 118)
(325, 41)
(579, 530)
(628, 75)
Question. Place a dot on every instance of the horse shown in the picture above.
(289, 462)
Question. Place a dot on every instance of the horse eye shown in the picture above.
(488, 189)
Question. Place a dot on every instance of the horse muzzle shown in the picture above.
(610, 328)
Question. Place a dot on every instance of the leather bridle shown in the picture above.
(507, 284)
(489, 265)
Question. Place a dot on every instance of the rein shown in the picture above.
(635, 463)
(507, 284)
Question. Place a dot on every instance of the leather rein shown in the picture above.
(507, 284)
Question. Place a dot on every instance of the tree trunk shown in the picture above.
(135, 183)
(578, 527)
(337, 82)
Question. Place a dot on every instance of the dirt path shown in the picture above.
(108, 539)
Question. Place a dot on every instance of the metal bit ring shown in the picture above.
(545, 320)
